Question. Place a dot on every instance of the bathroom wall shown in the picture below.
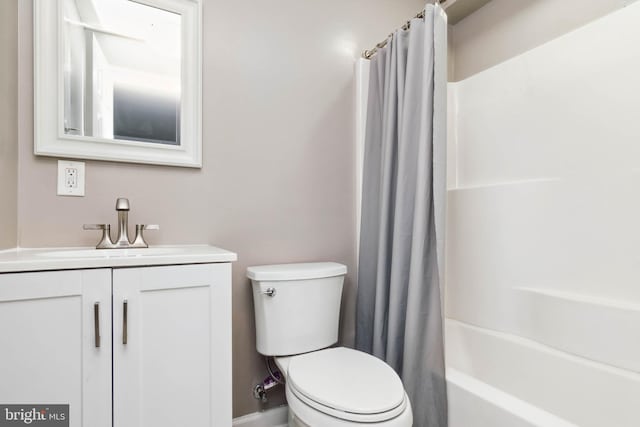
(542, 296)
(8, 123)
(504, 28)
(278, 178)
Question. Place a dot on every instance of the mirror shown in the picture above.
(121, 71)
(121, 81)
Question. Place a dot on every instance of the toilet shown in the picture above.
(297, 310)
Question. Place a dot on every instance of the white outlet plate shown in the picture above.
(70, 178)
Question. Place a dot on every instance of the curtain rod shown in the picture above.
(368, 53)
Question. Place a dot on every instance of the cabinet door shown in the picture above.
(174, 367)
(48, 353)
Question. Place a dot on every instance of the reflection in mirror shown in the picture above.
(121, 71)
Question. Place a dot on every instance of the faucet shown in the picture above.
(122, 207)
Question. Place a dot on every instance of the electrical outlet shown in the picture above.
(70, 178)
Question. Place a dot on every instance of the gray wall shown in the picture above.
(8, 123)
(505, 28)
(278, 178)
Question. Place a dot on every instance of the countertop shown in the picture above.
(39, 259)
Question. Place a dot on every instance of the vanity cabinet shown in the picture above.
(150, 345)
(47, 349)
(175, 368)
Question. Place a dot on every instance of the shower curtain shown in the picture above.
(399, 307)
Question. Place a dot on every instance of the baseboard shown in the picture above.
(275, 417)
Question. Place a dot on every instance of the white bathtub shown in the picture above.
(473, 403)
(502, 380)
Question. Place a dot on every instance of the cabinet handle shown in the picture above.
(124, 322)
(96, 323)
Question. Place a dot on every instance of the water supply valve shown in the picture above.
(259, 393)
(260, 390)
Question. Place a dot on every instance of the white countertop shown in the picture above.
(21, 259)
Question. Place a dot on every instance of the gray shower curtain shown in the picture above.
(399, 307)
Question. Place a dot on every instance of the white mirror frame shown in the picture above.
(50, 138)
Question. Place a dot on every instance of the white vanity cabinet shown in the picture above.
(48, 353)
(177, 357)
(149, 345)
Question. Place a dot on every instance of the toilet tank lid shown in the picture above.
(299, 271)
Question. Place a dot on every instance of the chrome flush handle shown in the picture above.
(270, 292)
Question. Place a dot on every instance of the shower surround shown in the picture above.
(543, 241)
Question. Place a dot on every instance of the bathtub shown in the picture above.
(473, 403)
(498, 379)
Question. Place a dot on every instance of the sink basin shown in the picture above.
(112, 253)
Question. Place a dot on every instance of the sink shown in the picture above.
(112, 253)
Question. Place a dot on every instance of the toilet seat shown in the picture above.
(347, 384)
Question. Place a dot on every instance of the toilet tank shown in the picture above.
(297, 306)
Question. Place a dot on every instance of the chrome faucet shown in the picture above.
(122, 207)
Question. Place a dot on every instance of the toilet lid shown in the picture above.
(346, 380)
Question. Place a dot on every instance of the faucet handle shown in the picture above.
(139, 241)
(105, 242)
(95, 226)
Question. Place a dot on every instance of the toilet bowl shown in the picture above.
(297, 310)
(343, 387)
